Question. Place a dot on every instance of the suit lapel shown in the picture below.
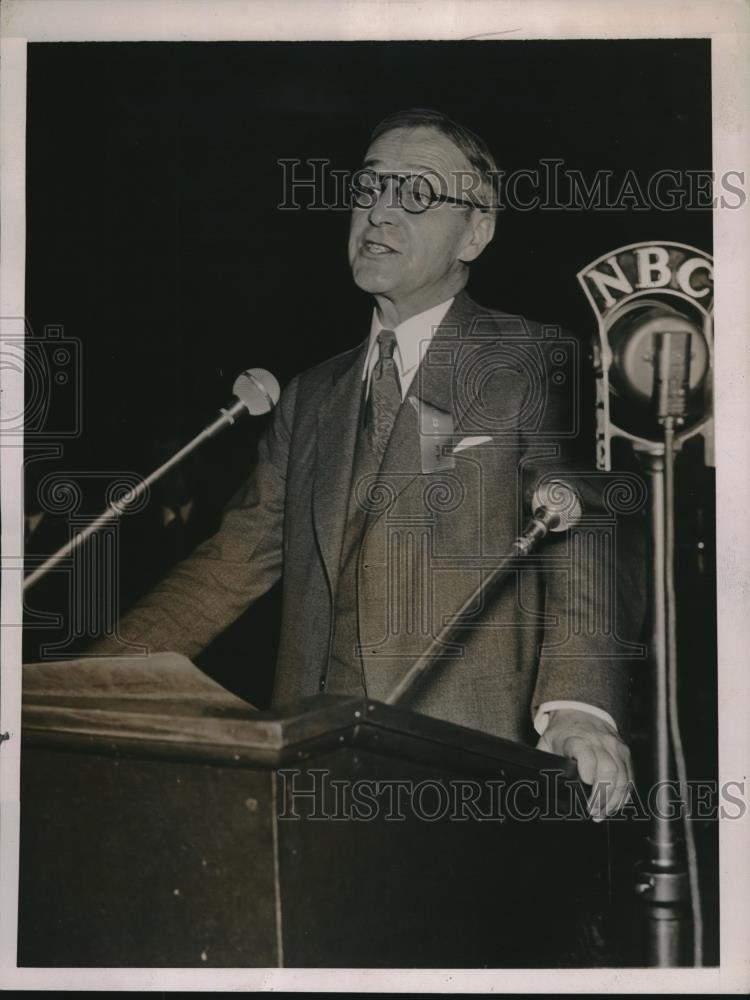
(338, 419)
(434, 382)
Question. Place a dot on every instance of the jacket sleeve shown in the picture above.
(594, 574)
(206, 592)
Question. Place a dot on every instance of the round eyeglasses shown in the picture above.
(415, 193)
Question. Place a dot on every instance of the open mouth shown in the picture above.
(372, 247)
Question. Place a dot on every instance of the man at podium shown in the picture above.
(394, 475)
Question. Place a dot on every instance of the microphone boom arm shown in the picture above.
(545, 519)
(254, 397)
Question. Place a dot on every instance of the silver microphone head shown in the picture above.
(258, 390)
(558, 498)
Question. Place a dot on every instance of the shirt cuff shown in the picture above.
(541, 719)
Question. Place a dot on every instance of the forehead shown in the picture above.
(416, 149)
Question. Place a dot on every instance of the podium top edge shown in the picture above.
(300, 732)
(163, 705)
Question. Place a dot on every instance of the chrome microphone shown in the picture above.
(555, 507)
(257, 393)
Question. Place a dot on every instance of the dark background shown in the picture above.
(154, 239)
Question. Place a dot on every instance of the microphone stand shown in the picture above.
(544, 521)
(664, 883)
(254, 397)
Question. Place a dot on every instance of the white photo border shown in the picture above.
(727, 24)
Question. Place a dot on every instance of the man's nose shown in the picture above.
(386, 207)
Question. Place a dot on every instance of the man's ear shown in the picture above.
(482, 231)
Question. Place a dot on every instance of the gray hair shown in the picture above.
(474, 148)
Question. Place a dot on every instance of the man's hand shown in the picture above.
(603, 760)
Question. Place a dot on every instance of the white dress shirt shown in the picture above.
(413, 336)
(412, 339)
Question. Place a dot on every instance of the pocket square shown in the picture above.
(470, 442)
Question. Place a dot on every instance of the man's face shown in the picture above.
(415, 261)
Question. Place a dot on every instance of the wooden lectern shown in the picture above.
(166, 823)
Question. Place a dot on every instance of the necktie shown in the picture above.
(345, 675)
(385, 395)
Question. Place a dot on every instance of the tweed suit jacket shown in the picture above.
(561, 629)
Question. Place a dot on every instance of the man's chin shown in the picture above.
(375, 280)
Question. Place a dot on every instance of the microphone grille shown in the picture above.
(258, 390)
(559, 498)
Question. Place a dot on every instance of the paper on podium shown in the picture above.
(161, 677)
(146, 684)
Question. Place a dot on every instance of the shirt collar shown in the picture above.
(410, 336)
